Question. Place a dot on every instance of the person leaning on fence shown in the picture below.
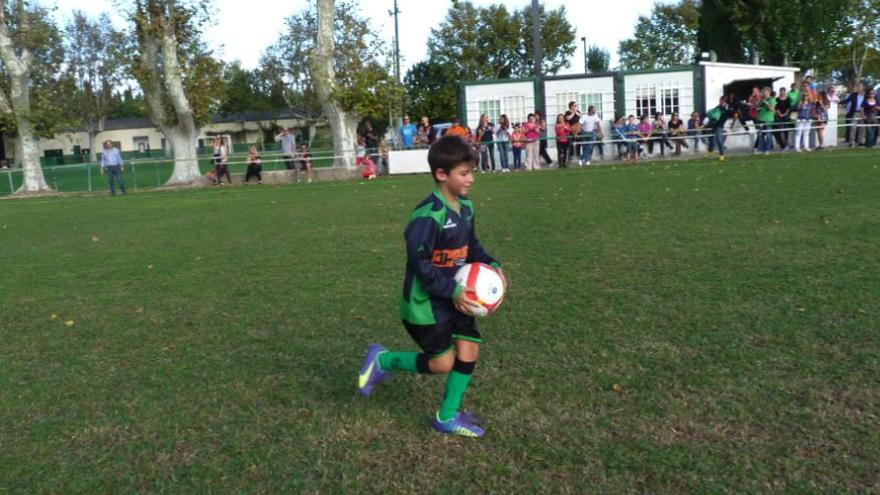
(870, 112)
(715, 120)
(111, 162)
(542, 146)
(695, 129)
(783, 119)
(533, 136)
(853, 103)
(288, 146)
(254, 166)
(221, 166)
(632, 133)
(304, 157)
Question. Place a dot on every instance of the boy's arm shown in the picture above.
(420, 238)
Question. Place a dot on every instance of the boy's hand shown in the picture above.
(464, 304)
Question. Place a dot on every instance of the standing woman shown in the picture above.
(870, 111)
(821, 109)
(562, 132)
(542, 126)
(533, 134)
(221, 167)
(485, 135)
(804, 121)
(502, 137)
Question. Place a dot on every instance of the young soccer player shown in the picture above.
(435, 311)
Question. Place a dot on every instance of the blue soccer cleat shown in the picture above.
(371, 373)
(461, 424)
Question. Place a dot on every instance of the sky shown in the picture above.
(244, 28)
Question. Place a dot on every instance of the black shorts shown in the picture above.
(436, 339)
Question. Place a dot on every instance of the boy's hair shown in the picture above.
(449, 152)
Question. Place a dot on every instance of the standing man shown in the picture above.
(407, 133)
(573, 118)
(853, 103)
(591, 131)
(111, 162)
(288, 147)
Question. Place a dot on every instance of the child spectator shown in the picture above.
(517, 141)
(644, 131)
(632, 132)
(254, 166)
(563, 130)
(305, 162)
(363, 160)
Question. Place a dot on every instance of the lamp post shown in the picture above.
(584, 40)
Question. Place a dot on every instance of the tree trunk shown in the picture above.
(343, 124)
(186, 162)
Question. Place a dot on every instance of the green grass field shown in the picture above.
(671, 328)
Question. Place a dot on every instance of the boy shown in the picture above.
(435, 311)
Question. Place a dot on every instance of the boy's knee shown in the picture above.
(442, 364)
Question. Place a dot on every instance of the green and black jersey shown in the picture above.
(438, 242)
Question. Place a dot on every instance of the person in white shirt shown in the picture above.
(591, 132)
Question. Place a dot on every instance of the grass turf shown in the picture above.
(681, 327)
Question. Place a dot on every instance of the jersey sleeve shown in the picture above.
(421, 236)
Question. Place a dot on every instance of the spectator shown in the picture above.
(221, 166)
(456, 129)
(288, 145)
(485, 135)
(383, 156)
(695, 129)
(804, 121)
(517, 141)
(542, 147)
(591, 132)
(715, 120)
(363, 160)
(820, 108)
(573, 118)
(254, 166)
(783, 118)
(371, 139)
(870, 111)
(112, 164)
(676, 132)
(407, 133)
(766, 118)
(305, 163)
(533, 135)
(429, 129)
(853, 103)
(562, 130)
(502, 137)
(644, 130)
(421, 138)
(632, 132)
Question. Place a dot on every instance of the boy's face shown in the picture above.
(459, 180)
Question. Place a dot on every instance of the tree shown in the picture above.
(861, 41)
(30, 52)
(95, 65)
(249, 91)
(667, 38)
(484, 43)
(180, 80)
(430, 87)
(598, 59)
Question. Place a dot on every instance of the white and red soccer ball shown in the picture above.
(487, 285)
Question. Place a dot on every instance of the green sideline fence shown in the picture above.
(144, 170)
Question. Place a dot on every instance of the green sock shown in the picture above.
(399, 361)
(456, 385)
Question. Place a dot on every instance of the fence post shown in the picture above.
(134, 176)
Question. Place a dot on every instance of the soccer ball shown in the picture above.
(487, 284)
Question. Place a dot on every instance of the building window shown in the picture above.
(515, 108)
(658, 99)
(492, 108)
(584, 101)
(670, 99)
(646, 101)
